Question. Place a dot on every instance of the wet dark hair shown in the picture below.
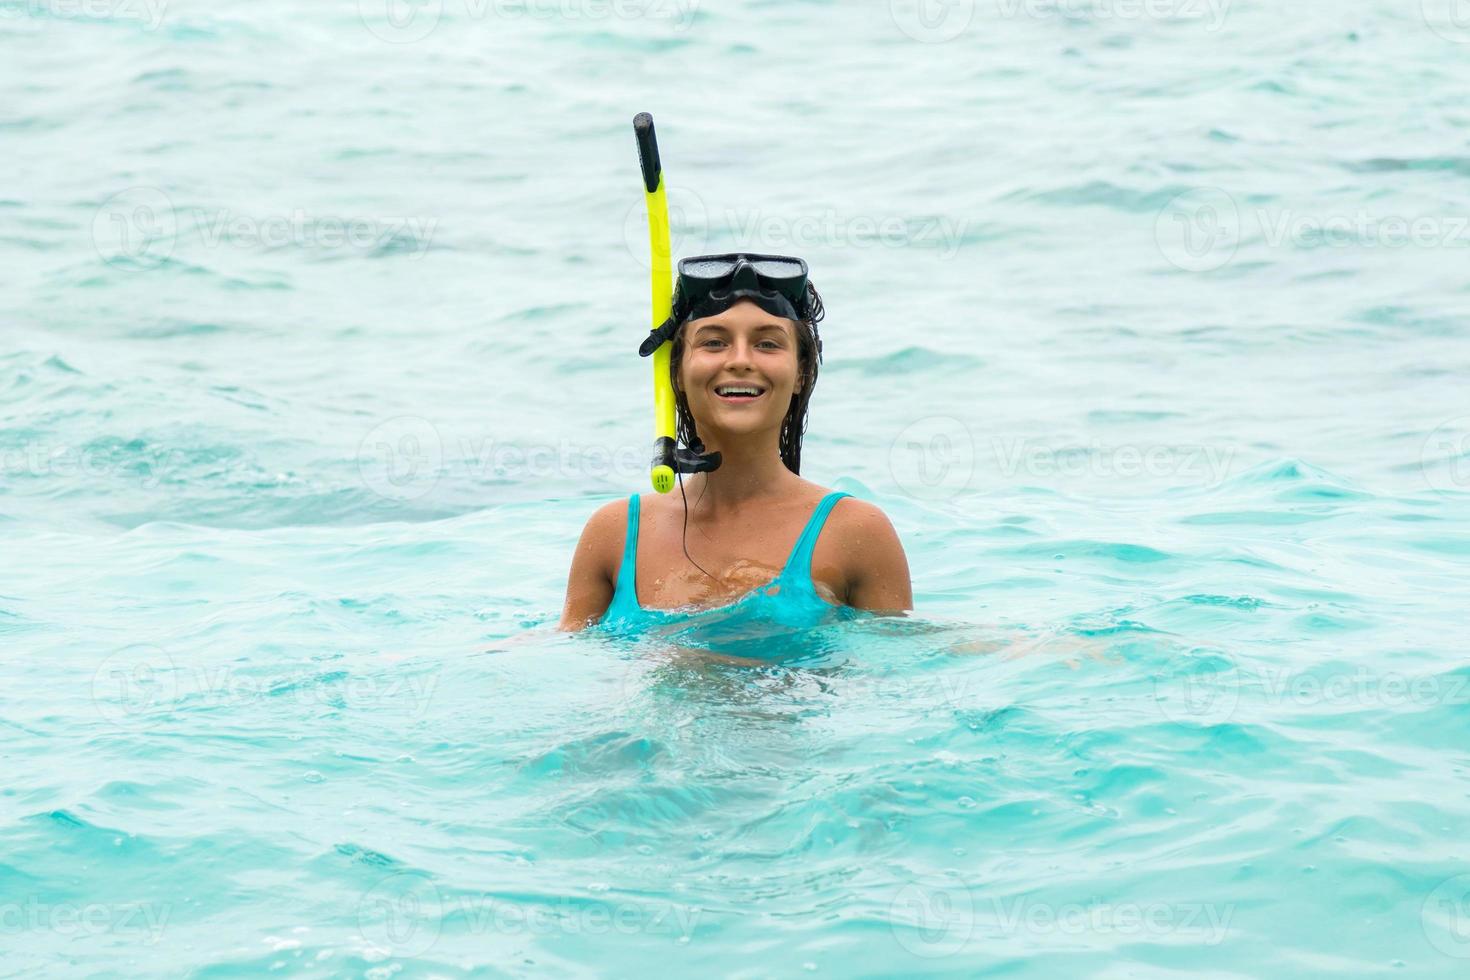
(808, 360)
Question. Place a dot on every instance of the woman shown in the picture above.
(757, 540)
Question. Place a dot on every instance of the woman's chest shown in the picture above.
(725, 564)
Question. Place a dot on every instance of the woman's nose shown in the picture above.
(741, 351)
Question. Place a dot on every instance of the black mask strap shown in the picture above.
(659, 336)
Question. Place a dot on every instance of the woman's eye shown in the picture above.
(767, 344)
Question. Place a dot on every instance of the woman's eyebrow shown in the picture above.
(756, 329)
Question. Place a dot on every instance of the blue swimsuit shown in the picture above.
(789, 602)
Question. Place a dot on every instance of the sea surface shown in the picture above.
(1147, 328)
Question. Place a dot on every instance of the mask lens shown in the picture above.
(777, 269)
(711, 267)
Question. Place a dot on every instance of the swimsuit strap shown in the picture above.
(629, 569)
(799, 565)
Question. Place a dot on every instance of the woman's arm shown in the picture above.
(590, 582)
(878, 578)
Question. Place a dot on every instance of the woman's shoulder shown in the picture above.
(853, 515)
(605, 529)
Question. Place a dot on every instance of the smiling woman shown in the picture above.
(769, 546)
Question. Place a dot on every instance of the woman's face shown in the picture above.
(746, 346)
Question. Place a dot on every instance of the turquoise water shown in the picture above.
(1147, 328)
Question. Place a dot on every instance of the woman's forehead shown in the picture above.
(744, 316)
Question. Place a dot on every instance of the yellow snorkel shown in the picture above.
(661, 279)
(666, 459)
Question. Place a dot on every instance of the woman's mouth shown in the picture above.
(739, 393)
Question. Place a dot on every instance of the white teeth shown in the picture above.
(737, 390)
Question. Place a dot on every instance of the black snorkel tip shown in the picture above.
(647, 151)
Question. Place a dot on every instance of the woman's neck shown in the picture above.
(748, 474)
